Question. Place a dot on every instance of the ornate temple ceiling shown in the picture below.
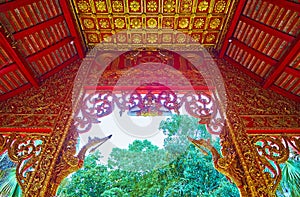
(39, 37)
(201, 21)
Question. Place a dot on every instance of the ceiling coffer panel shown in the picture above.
(202, 20)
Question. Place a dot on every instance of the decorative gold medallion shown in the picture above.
(183, 23)
(181, 38)
(107, 38)
(104, 23)
(203, 5)
(167, 38)
(215, 23)
(199, 23)
(152, 6)
(92, 38)
(210, 38)
(186, 5)
(134, 6)
(135, 23)
(152, 23)
(220, 6)
(152, 38)
(88, 23)
(121, 37)
(83, 6)
(168, 22)
(101, 6)
(196, 37)
(119, 23)
(136, 38)
(169, 6)
(117, 6)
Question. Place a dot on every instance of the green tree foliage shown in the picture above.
(188, 173)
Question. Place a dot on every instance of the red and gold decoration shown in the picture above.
(197, 18)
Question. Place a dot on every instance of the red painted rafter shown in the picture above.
(292, 71)
(48, 50)
(267, 29)
(273, 131)
(18, 58)
(254, 52)
(286, 4)
(232, 27)
(38, 27)
(70, 22)
(285, 93)
(284, 62)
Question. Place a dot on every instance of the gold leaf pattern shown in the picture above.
(215, 23)
(199, 23)
(169, 6)
(210, 38)
(152, 23)
(183, 23)
(103, 23)
(83, 6)
(101, 6)
(203, 5)
(152, 38)
(134, 6)
(119, 23)
(136, 38)
(88, 23)
(92, 38)
(135, 23)
(117, 6)
(220, 6)
(152, 6)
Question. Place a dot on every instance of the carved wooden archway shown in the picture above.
(46, 115)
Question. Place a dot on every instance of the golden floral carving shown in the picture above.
(104, 23)
(136, 38)
(121, 37)
(186, 5)
(183, 23)
(119, 23)
(203, 5)
(196, 37)
(136, 23)
(117, 6)
(151, 6)
(92, 37)
(100, 6)
(83, 6)
(168, 22)
(215, 23)
(199, 23)
(152, 38)
(152, 23)
(107, 38)
(169, 5)
(220, 6)
(89, 23)
(181, 38)
(167, 38)
(210, 38)
(134, 6)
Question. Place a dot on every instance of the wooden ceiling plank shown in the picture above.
(18, 58)
(38, 27)
(292, 71)
(267, 13)
(254, 52)
(267, 29)
(279, 19)
(283, 62)
(48, 50)
(286, 4)
(293, 24)
(292, 89)
(70, 22)
(14, 4)
(232, 26)
(263, 11)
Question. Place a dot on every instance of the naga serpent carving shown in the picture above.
(68, 163)
(226, 165)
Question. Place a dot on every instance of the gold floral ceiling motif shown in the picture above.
(204, 21)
